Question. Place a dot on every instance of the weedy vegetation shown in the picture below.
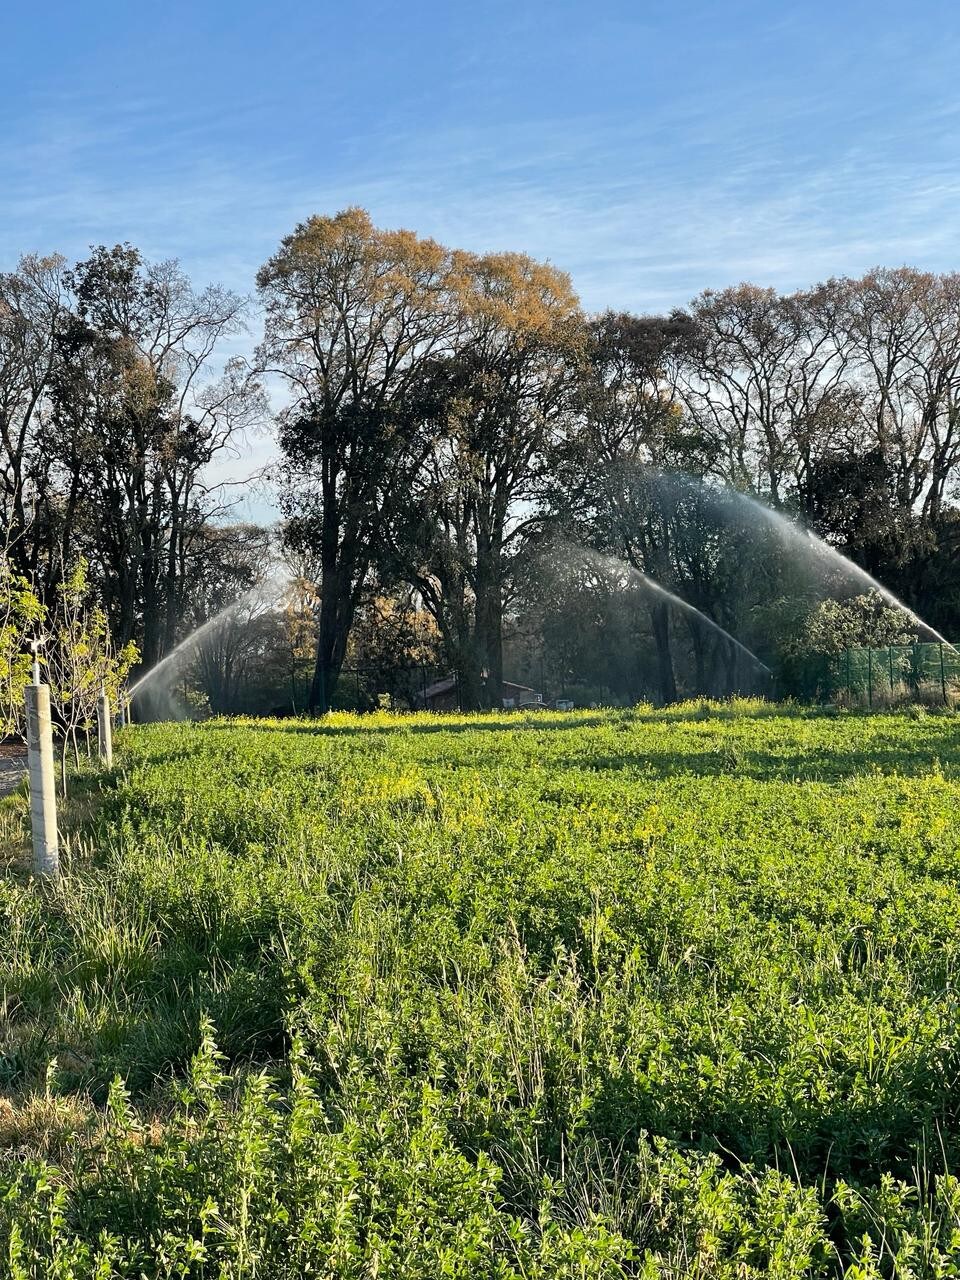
(607, 994)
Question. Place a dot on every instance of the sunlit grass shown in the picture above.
(595, 993)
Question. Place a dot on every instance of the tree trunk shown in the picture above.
(489, 645)
(336, 617)
(321, 692)
(170, 584)
(489, 618)
(452, 615)
(699, 656)
(470, 683)
(660, 618)
(326, 673)
(152, 639)
(731, 659)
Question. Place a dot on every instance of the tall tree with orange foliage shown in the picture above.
(496, 402)
(353, 316)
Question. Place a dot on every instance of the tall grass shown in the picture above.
(591, 994)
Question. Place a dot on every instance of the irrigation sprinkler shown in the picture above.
(43, 800)
(104, 729)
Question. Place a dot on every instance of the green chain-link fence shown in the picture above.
(928, 673)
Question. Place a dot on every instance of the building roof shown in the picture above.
(450, 683)
(440, 686)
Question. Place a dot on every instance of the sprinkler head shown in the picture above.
(35, 646)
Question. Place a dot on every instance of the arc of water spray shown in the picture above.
(849, 566)
(610, 564)
(266, 592)
(791, 529)
(796, 532)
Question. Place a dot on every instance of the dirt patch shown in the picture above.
(12, 769)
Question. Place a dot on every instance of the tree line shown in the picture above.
(465, 458)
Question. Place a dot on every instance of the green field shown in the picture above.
(601, 994)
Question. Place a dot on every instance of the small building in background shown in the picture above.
(444, 695)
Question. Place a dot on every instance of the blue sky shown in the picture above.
(652, 150)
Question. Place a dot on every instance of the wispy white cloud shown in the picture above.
(643, 213)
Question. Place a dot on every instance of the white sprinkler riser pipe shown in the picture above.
(43, 800)
(105, 730)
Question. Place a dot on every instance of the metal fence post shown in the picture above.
(870, 677)
(43, 801)
(917, 667)
(849, 686)
(943, 676)
(105, 730)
